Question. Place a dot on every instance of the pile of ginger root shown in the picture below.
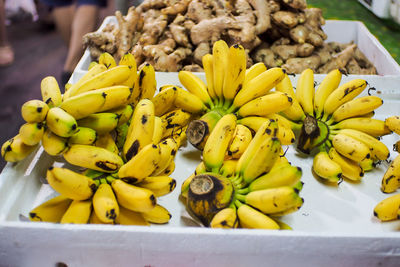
(174, 35)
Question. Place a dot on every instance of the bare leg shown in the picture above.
(63, 17)
(6, 52)
(84, 21)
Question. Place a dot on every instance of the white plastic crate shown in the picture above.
(335, 226)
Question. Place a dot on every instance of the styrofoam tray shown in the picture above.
(342, 31)
(333, 220)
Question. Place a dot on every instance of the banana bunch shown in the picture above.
(249, 191)
(336, 124)
(230, 88)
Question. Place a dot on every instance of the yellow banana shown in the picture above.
(105, 204)
(252, 72)
(185, 185)
(393, 123)
(158, 215)
(253, 219)
(96, 100)
(225, 218)
(241, 139)
(328, 84)
(170, 169)
(83, 136)
(93, 219)
(281, 175)
(129, 217)
(107, 60)
(218, 142)
(356, 107)
(70, 184)
(92, 64)
(350, 168)
(199, 130)
(60, 122)
(189, 102)
(50, 91)
(387, 209)
(234, 74)
(396, 146)
(31, 133)
(53, 144)
(141, 165)
(258, 86)
(285, 132)
(200, 168)
(350, 147)
(343, 94)
(391, 178)
(124, 113)
(168, 150)
(132, 197)
(273, 102)
(92, 157)
(173, 121)
(373, 127)
(158, 130)
(378, 149)
(120, 135)
(164, 101)
(103, 122)
(195, 86)
(34, 111)
(305, 91)
(145, 85)
(367, 164)
(159, 185)
(78, 212)
(220, 64)
(95, 70)
(227, 169)
(129, 60)
(208, 66)
(107, 141)
(299, 203)
(107, 78)
(326, 168)
(51, 210)
(295, 111)
(141, 129)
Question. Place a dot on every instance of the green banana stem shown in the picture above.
(231, 109)
(238, 203)
(109, 179)
(325, 117)
(330, 121)
(240, 197)
(227, 104)
(243, 191)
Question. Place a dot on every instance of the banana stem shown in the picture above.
(330, 121)
(240, 197)
(227, 104)
(243, 191)
(110, 179)
(238, 203)
(231, 109)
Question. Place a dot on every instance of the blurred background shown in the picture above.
(39, 50)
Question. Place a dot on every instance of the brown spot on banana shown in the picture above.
(106, 165)
(133, 150)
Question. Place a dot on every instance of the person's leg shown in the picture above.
(63, 16)
(6, 52)
(84, 21)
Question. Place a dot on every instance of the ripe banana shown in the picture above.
(258, 86)
(228, 168)
(50, 91)
(387, 209)
(350, 147)
(92, 157)
(159, 185)
(60, 122)
(326, 168)
(253, 219)
(195, 86)
(185, 185)
(356, 107)
(218, 142)
(174, 121)
(83, 136)
(51, 210)
(158, 215)
(141, 165)
(235, 72)
(107, 60)
(305, 91)
(145, 85)
(78, 212)
(129, 217)
(328, 84)
(105, 204)
(295, 111)
(164, 101)
(103, 122)
(189, 102)
(124, 113)
(158, 130)
(31, 133)
(129, 60)
(241, 139)
(270, 103)
(132, 197)
(225, 218)
(53, 144)
(391, 178)
(168, 150)
(107, 141)
(350, 168)
(343, 94)
(70, 184)
(393, 123)
(208, 66)
(373, 127)
(141, 129)
(220, 54)
(252, 72)
(34, 111)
